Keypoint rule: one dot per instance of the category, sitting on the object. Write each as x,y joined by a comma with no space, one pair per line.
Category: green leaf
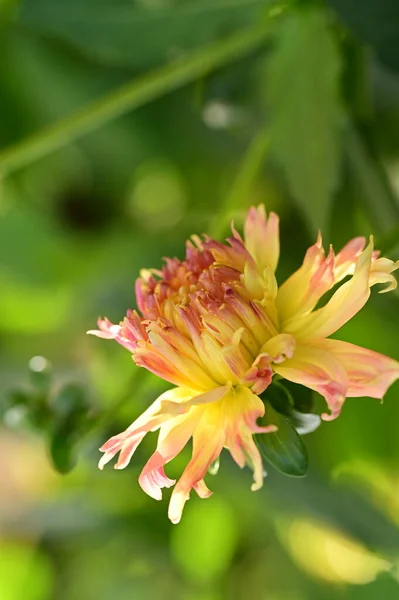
70,402
63,448
305,111
286,401
370,182
375,22
140,36
133,94
284,448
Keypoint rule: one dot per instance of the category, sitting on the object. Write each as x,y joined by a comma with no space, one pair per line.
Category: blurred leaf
124,33
344,508
70,422
240,189
132,95
304,103
71,401
203,544
284,448
375,22
62,448
40,374
371,181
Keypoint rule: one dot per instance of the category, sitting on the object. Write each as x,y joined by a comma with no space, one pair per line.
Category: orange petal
344,304
299,294
319,370
262,237
369,373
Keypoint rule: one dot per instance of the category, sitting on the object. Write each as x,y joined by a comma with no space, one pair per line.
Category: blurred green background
125,126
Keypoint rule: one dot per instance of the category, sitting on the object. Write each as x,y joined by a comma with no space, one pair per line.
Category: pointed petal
208,442
262,237
381,272
300,293
155,415
369,373
345,260
173,436
344,304
319,370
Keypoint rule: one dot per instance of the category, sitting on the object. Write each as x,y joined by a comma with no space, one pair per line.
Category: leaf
285,402
284,448
370,182
133,94
303,95
71,402
63,448
71,420
140,36
375,22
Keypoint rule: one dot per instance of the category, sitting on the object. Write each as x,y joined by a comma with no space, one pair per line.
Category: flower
218,327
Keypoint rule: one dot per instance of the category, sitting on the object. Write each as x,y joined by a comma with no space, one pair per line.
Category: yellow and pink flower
218,327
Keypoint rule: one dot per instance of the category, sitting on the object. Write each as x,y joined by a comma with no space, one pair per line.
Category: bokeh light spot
158,199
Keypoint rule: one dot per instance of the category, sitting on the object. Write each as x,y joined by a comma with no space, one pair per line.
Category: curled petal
259,375
229,423
106,330
381,272
202,489
279,348
158,413
345,260
235,255
207,445
319,370
173,436
344,304
369,373
119,333
300,293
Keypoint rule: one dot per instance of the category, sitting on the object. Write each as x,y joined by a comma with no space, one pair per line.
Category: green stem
131,96
239,191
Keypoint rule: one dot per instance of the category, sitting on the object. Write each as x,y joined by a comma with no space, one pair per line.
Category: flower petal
173,436
381,272
345,261
369,373
158,413
344,304
319,370
300,293
262,237
208,442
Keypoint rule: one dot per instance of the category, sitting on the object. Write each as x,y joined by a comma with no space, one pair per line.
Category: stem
246,174
131,96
